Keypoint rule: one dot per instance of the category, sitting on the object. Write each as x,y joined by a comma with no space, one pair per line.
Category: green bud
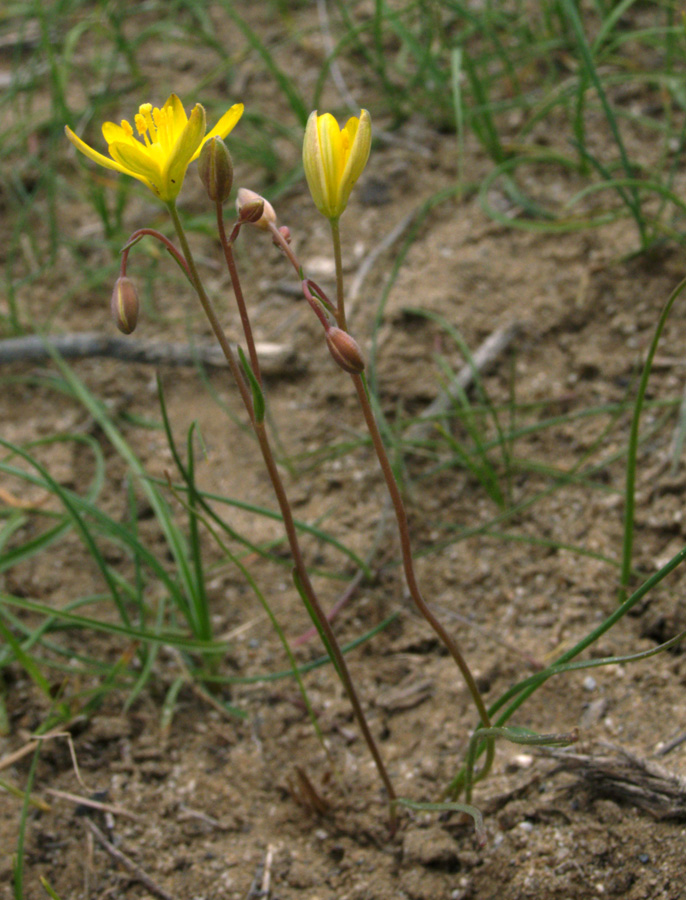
216,169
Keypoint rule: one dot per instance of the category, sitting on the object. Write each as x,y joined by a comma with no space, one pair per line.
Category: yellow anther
146,113
126,126
141,126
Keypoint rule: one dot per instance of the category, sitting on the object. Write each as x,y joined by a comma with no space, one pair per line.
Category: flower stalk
302,576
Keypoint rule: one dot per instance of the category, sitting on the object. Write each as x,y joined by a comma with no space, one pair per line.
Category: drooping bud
124,305
345,350
255,209
216,169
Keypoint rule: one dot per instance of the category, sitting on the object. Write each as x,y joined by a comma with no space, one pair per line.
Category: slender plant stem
238,293
406,549
285,247
401,515
630,489
211,315
340,291
287,516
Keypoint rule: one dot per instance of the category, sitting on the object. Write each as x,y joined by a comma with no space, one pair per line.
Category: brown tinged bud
124,305
216,169
345,350
255,209
285,233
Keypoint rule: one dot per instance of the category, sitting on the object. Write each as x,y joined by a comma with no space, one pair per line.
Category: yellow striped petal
187,143
138,163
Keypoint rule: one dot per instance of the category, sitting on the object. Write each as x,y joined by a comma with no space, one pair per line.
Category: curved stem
285,247
141,232
406,549
288,521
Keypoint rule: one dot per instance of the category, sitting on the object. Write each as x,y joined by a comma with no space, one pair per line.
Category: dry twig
625,778
133,868
275,359
482,359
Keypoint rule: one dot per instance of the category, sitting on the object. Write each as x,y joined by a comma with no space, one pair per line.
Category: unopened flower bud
124,305
255,209
285,233
216,169
345,350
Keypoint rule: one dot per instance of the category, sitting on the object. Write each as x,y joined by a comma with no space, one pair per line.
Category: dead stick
275,359
93,804
128,864
482,359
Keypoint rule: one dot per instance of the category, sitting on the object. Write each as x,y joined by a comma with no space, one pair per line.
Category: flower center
155,126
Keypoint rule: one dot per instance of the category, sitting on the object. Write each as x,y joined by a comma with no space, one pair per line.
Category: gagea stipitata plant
157,150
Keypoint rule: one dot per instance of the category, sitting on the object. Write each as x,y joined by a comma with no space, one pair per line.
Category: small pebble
644,858
523,761
590,683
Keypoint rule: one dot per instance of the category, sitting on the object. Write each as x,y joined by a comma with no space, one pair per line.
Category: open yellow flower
169,141
334,159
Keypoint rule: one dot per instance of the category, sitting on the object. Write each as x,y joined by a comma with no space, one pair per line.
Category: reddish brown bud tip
255,209
345,350
285,233
216,169
124,305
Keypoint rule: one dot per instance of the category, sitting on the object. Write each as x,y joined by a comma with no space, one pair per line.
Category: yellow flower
170,141
334,159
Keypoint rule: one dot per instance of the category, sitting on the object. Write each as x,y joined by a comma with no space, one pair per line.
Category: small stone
593,712
590,684
430,847
110,728
523,761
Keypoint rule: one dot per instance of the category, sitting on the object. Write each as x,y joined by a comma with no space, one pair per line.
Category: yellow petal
312,163
331,149
93,154
178,112
187,143
225,125
359,131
